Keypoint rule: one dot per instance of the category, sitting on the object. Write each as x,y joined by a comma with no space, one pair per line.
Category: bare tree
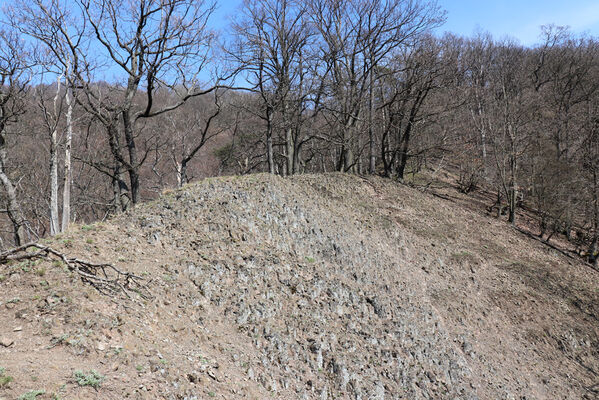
194,125
417,72
590,172
564,76
512,112
270,50
478,58
15,75
68,168
356,38
50,104
148,46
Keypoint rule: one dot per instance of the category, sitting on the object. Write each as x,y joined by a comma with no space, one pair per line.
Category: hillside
311,287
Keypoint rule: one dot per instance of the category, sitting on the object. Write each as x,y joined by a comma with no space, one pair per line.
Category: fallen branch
105,278
442,196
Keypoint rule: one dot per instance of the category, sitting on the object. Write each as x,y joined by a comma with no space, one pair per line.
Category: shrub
93,379
31,395
4,379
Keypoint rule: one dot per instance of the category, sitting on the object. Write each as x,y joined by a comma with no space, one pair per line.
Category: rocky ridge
312,287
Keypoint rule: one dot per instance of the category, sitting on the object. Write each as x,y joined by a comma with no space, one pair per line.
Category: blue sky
520,19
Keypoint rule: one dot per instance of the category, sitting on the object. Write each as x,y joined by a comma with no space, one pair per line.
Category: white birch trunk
68,173
54,218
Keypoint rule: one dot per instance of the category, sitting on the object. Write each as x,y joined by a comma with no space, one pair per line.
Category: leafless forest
105,103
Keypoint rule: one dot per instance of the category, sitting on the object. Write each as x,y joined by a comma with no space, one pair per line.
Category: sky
519,19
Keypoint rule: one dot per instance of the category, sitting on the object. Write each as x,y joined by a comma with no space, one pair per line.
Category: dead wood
105,278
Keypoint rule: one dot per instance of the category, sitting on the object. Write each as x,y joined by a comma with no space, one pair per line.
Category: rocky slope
311,287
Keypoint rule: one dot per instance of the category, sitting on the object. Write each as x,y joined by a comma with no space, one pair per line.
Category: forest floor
310,287
443,183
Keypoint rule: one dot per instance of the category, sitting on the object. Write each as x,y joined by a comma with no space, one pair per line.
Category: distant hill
310,287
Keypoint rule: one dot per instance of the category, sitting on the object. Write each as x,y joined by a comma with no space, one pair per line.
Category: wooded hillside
105,103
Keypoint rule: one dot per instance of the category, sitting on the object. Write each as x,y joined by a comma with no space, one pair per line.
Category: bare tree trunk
593,257
178,168
499,203
405,145
348,159
182,173
593,248
289,145
386,144
68,172
296,153
403,154
132,151
481,128
513,192
269,150
290,149
14,211
371,144
347,163
359,169
54,217
116,190
512,205
120,189
54,224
